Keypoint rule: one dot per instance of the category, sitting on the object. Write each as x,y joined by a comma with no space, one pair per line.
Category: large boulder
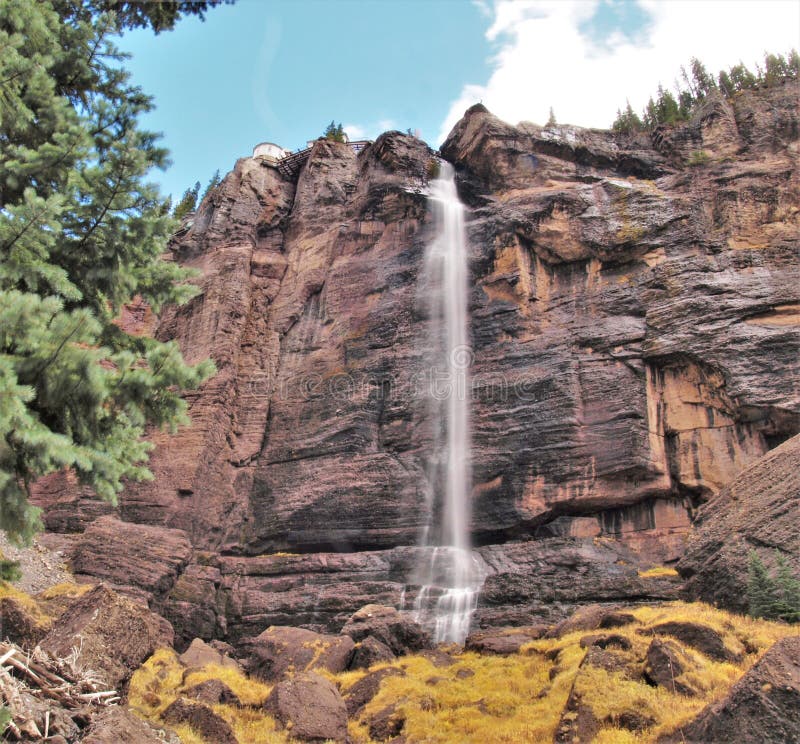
310,706
370,651
141,560
763,707
395,629
759,510
112,634
664,665
200,653
281,649
704,639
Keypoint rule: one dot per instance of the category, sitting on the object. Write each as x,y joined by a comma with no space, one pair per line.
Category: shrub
698,157
773,598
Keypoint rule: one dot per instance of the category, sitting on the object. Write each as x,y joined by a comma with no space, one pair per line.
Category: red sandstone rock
634,322
113,634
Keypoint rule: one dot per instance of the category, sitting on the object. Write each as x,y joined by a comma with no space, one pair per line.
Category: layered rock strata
634,324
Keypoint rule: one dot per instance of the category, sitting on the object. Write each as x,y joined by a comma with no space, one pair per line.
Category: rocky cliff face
634,325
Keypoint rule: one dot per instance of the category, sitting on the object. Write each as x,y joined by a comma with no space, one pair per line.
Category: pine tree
188,202
551,120
81,234
334,132
212,184
788,589
762,594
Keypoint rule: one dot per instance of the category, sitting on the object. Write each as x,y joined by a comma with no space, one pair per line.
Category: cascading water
451,576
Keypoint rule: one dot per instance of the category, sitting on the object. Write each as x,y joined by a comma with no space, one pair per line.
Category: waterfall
451,575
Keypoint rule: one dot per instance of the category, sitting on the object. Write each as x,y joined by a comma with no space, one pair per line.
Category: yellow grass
656,571
64,589
506,700
35,610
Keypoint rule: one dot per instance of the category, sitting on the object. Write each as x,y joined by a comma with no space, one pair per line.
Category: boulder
367,688
310,706
212,692
202,719
590,617
664,664
370,651
502,642
117,725
201,653
279,650
112,633
704,639
395,629
763,707
386,724
141,560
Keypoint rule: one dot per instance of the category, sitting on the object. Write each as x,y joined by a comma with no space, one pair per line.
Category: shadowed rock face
634,322
758,511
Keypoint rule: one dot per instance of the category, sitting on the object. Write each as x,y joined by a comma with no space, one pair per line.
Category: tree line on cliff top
696,84
81,234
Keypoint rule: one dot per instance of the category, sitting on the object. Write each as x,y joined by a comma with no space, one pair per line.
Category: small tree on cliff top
334,132
81,234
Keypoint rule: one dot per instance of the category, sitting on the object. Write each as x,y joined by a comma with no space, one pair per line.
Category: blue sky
281,70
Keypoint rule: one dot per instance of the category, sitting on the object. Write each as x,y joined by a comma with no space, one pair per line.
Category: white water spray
452,576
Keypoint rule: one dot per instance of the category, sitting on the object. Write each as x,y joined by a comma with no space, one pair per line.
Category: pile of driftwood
32,683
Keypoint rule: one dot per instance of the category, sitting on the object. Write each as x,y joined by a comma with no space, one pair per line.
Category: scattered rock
664,663
386,724
613,640
212,692
391,627
762,707
370,651
201,653
632,721
117,725
367,688
616,620
706,640
311,706
590,617
202,719
281,649
113,634
501,642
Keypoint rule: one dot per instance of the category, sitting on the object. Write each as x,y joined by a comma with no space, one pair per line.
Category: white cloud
355,131
544,60
370,131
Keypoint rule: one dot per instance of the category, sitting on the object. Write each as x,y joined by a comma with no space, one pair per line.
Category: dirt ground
43,564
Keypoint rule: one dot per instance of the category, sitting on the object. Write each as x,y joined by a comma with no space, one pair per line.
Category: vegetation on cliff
697,84
81,234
